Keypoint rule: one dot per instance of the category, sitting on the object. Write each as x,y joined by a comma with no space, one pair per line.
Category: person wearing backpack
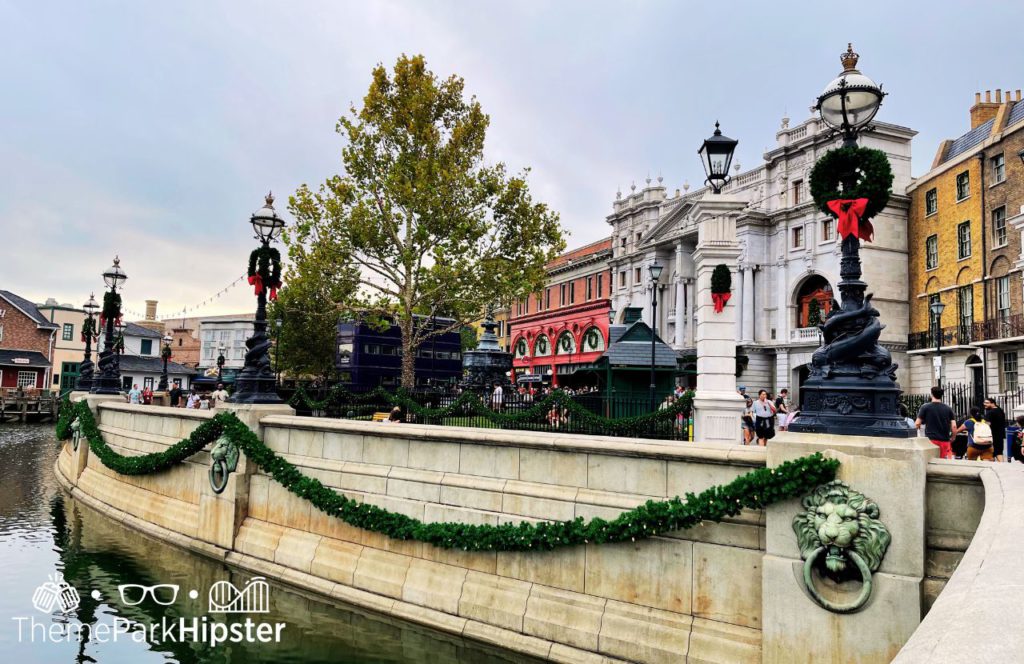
979,437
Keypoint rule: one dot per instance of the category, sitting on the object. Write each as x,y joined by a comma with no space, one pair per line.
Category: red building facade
26,344
565,327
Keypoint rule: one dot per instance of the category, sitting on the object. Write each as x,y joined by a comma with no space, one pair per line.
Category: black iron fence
585,413
961,397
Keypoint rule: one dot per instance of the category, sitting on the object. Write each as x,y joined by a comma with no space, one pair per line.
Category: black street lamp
277,349
220,362
655,271
109,381
850,101
256,382
716,157
165,354
937,308
85,370
851,389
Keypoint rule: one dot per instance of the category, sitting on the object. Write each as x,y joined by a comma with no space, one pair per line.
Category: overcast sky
153,130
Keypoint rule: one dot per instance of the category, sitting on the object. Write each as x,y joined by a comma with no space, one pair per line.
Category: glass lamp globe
850,100
266,221
114,277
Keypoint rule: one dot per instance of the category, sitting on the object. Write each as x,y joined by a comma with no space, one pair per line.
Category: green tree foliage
308,310
813,314
470,340
428,226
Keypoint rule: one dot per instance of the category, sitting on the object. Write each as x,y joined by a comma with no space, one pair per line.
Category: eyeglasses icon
133,594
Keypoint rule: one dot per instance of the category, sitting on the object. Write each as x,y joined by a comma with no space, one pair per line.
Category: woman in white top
764,418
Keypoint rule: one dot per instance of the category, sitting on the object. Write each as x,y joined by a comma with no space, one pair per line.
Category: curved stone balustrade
977,615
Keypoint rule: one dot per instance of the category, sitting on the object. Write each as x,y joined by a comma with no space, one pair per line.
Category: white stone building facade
789,255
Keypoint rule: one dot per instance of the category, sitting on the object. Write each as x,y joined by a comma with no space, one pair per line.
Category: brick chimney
983,111
151,309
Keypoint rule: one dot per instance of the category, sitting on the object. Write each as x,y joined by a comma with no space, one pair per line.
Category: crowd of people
981,435
178,398
762,415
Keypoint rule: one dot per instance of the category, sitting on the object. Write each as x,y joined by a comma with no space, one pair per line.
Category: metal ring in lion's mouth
218,486
865,591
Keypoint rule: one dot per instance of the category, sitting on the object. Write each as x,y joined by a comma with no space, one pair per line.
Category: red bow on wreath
720,299
849,212
257,281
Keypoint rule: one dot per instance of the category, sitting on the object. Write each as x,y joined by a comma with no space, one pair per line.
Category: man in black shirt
996,419
175,394
939,423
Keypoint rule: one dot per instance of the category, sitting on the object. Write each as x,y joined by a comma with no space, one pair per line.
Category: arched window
541,347
813,301
520,349
593,340
566,344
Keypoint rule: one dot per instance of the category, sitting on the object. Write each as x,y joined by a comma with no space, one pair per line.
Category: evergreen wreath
265,270
593,338
542,346
565,342
754,490
874,178
721,286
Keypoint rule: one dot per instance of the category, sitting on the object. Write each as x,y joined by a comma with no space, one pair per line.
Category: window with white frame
931,202
965,307
68,333
963,240
828,230
1008,370
963,185
999,227
998,168
1003,297
931,252
27,379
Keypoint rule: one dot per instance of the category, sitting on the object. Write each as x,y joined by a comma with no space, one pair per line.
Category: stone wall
693,596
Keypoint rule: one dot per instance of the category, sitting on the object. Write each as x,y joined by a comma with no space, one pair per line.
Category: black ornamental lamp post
278,323
220,362
937,308
165,355
109,380
655,270
256,384
85,370
852,387
716,157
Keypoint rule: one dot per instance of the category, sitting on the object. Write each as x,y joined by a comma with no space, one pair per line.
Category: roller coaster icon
225,597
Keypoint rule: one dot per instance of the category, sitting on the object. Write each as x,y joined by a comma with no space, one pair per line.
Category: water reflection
43,530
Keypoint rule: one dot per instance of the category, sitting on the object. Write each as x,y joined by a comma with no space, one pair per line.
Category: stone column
748,304
717,405
680,340
690,331
221,515
740,295
795,628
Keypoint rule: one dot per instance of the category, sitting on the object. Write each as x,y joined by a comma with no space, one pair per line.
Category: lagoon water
44,532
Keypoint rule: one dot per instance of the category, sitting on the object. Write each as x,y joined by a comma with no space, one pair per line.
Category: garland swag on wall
265,270
753,490
721,286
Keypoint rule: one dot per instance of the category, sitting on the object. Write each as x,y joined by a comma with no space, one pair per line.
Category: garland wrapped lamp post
256,384
85,370
220,362
852,385
655,270
165,355
109,380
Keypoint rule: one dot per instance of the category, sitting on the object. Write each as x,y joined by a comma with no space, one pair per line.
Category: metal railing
1001,327
961,398
955,335
614,413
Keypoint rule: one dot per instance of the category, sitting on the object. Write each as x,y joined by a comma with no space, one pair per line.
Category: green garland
338,400
65,415
111,306
873,172
721,279
265,262
754,490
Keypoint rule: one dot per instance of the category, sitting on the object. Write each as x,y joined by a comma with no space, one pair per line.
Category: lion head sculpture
840,521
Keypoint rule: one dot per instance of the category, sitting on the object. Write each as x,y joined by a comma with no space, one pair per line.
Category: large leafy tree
314,283
429,226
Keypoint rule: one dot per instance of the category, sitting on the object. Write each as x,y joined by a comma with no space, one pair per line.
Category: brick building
965,253
26,343
564,328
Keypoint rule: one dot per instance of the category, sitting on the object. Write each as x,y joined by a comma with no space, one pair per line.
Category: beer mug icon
56,593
